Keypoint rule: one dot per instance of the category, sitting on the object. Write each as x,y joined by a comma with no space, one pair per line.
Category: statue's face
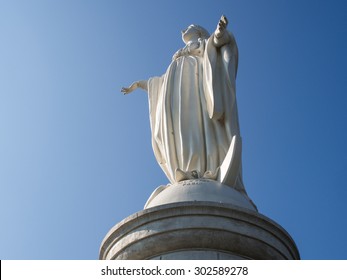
190,33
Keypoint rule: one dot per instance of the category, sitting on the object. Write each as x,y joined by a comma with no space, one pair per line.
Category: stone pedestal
220,224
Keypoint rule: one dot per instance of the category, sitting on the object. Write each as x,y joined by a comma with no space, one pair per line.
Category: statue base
197,230
199,190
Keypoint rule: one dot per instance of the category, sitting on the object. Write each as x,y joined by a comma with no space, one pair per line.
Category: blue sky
76,156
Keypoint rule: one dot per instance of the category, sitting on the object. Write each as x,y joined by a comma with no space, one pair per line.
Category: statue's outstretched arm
138,84
221,35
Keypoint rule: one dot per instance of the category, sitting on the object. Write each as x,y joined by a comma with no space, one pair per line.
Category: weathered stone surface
198,230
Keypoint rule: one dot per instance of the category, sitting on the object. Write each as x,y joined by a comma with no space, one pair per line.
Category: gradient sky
76,156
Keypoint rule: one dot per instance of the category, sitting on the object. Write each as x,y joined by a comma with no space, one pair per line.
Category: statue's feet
181,175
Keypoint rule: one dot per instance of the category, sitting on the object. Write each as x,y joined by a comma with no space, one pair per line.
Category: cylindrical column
198,230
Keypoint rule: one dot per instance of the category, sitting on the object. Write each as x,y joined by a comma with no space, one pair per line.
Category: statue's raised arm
221,35
138,84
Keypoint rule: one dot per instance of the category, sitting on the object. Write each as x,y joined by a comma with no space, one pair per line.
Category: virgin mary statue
193,111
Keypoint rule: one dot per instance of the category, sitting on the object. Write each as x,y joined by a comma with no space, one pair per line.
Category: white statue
193,111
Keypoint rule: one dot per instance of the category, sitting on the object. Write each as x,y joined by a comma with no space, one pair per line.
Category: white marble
193,110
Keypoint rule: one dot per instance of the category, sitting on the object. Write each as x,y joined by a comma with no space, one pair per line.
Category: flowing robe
193,115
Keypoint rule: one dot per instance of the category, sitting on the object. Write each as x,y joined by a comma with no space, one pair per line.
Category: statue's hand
221,35
131,88
221,27
138,84
125,90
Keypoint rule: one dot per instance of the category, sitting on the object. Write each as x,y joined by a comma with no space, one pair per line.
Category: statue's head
194,32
